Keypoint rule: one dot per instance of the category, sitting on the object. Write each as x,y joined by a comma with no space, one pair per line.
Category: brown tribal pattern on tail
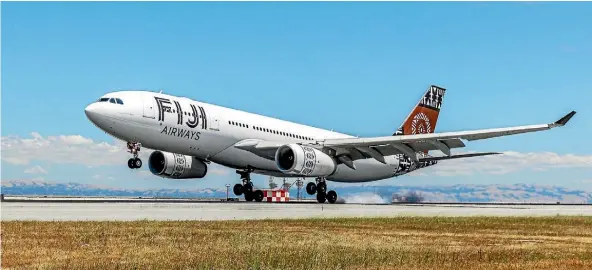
423,118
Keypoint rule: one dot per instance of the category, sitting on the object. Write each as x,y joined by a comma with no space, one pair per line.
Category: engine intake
304,160
176,166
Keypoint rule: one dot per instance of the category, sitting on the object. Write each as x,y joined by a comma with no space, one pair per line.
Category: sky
354,67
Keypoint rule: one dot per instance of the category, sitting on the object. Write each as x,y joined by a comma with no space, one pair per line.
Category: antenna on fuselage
160,92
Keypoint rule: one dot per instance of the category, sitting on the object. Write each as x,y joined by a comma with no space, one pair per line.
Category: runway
61,211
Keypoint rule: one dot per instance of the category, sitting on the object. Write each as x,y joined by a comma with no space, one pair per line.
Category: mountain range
362,194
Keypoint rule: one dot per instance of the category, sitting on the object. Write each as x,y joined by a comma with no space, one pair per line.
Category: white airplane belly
238,158
366,170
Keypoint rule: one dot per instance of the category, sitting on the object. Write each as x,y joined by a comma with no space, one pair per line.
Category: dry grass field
364,243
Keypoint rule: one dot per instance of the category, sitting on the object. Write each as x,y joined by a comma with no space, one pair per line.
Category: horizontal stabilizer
459,156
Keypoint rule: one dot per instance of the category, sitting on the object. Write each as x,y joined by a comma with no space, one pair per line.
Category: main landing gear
320,188
247,187
135,162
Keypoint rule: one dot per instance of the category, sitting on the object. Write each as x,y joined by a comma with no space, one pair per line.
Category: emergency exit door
149,110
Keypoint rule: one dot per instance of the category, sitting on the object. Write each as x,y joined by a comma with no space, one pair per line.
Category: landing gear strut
135,162
247,187
320,188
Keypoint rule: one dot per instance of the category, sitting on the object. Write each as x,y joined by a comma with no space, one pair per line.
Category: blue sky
357,68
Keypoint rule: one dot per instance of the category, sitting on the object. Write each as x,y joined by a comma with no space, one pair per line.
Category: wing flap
459,156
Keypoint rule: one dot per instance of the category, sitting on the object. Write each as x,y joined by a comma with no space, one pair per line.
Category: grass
352,243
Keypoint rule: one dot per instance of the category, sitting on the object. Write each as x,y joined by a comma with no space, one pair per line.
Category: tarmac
126,211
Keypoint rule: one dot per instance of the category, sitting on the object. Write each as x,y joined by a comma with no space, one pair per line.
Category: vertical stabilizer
423,117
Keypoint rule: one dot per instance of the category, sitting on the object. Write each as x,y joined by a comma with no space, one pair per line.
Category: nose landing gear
135,162
320,188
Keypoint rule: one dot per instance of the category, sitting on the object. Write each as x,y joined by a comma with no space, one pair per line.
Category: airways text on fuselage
196,118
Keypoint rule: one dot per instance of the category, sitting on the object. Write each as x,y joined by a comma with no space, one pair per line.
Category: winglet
565,119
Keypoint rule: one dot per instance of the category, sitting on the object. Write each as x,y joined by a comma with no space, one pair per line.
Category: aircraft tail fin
423,117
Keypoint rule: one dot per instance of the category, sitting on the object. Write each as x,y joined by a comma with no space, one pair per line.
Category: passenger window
119,101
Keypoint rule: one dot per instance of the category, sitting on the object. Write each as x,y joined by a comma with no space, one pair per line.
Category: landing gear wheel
321,197
137,163
258,195
248,188
332,196
249,196
322,187
311,188
238,189
134,148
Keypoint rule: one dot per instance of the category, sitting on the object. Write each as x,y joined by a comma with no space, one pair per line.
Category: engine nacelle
304,160
176,166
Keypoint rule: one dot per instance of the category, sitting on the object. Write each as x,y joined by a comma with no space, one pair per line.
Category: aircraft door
215,125
149,108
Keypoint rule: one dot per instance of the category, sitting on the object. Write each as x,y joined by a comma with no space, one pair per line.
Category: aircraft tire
258,194
331,196
137,163
130,163
321,197
248,188
311,188
322,187
249,196
238,189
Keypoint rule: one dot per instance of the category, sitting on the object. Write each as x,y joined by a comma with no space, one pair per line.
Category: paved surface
239,211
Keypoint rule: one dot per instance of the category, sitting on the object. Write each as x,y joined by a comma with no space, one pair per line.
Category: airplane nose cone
91,112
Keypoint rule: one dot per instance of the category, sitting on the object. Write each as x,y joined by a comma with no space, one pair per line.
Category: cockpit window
112,100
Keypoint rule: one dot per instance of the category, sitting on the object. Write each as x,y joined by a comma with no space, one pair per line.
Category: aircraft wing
378,147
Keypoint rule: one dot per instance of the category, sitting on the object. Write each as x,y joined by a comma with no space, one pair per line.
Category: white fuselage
209,132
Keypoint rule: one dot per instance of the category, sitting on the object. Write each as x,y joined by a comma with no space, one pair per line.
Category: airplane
187,135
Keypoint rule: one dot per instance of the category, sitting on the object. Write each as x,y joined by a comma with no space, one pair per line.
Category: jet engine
176,166
304,160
